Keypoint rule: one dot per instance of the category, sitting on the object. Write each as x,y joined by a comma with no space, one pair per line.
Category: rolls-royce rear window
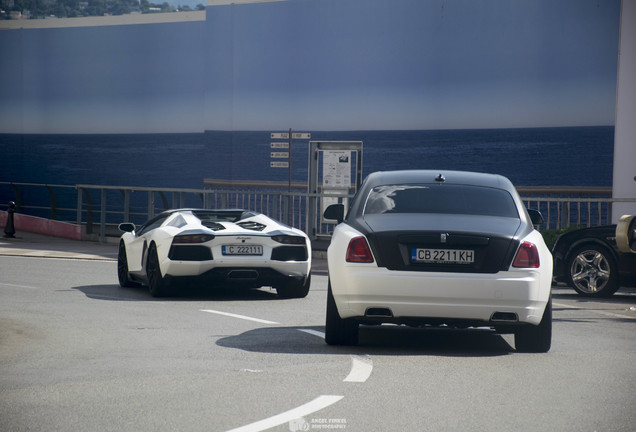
448,199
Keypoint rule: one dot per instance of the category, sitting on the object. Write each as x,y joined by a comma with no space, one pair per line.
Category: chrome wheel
592,272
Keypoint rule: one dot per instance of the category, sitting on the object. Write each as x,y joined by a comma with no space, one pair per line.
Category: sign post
282,145
285,155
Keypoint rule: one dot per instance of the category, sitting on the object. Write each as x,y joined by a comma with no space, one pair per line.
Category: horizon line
304,130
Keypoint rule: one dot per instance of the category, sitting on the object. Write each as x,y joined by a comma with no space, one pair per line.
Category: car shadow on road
141,293
374,340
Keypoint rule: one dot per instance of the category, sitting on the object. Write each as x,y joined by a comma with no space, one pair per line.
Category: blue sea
571,156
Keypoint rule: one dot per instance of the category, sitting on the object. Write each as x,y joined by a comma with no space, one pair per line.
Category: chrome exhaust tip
507,317
379,312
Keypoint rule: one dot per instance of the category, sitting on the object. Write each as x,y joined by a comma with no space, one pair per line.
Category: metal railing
100,208
566,206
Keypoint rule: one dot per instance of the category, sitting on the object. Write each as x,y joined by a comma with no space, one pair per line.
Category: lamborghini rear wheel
294,289
122,267
156,282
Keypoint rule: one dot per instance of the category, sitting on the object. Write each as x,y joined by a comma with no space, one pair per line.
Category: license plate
242,250
442,256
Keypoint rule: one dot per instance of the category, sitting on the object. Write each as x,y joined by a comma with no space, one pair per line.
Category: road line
361,368
600,312
310,407
17,286
313,332
258,320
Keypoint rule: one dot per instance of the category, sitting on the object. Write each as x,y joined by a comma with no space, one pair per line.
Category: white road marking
310,407
313,332
17,286
600,312
258,320
564,306
361,368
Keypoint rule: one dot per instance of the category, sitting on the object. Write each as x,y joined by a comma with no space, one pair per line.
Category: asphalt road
77,352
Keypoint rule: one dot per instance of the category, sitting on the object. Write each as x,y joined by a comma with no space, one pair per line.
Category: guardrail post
79,205
89,211
564,216
286,209
102,218
53,202
127,205
151,204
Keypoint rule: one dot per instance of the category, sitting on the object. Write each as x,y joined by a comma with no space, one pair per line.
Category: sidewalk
42,246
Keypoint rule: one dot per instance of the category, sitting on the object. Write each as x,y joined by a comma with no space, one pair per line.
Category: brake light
358,251
192,238
527,256
289,239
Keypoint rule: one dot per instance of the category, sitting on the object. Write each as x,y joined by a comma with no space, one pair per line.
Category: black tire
156,282
339,331
294,289
536,339
592,271
122,268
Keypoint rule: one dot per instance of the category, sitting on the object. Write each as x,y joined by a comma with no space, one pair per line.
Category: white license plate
443,256
242,250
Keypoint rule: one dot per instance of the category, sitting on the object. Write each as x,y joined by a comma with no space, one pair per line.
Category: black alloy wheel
122,267
156,282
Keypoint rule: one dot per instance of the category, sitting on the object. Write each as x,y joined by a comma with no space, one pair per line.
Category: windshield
448,199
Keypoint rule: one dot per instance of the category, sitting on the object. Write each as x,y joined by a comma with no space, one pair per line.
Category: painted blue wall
320,65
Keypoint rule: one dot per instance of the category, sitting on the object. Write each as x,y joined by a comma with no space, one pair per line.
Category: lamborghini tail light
527,256
289,239
358,251
192,238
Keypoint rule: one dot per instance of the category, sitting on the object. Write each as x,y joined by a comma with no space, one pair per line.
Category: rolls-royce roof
438,176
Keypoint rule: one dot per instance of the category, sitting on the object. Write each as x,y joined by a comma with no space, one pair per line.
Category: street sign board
279,145
279,155
285,135
279,164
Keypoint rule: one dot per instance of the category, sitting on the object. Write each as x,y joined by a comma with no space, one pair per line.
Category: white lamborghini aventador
238,247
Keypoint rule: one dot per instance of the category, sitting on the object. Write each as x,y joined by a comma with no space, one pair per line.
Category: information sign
336,169
285,135
279,164
301,135
279,155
